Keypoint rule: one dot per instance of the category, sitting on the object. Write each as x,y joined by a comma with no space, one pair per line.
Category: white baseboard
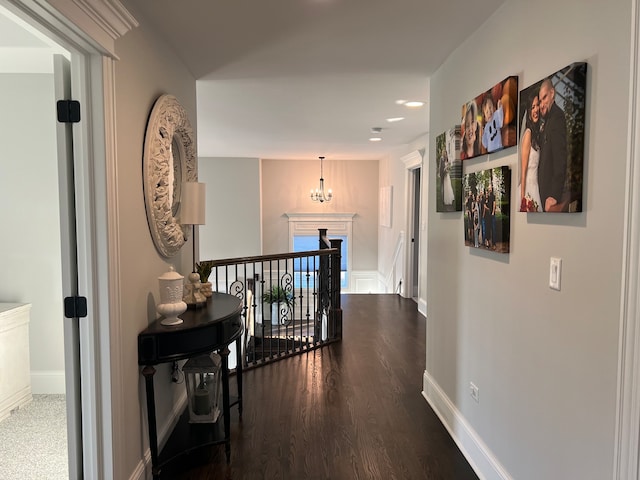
422,307
143,468
49,382
363,281
481,459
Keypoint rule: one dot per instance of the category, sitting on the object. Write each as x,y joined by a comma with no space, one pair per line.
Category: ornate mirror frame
169,159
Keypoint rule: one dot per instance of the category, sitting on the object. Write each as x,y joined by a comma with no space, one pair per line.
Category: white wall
544,361
285,189
146,69
233,227
30,240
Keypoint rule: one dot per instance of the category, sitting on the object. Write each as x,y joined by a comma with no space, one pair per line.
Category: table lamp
192,212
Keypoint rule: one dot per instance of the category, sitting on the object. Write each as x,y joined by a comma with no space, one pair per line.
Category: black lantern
203,387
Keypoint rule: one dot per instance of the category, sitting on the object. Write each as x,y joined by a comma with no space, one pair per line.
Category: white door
64,137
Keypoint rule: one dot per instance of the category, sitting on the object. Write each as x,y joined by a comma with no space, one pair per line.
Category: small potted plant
204,269
278,298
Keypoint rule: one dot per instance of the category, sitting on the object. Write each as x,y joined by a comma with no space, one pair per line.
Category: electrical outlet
474,391
175,373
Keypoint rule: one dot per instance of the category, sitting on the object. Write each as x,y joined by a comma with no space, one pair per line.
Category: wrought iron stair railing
291,301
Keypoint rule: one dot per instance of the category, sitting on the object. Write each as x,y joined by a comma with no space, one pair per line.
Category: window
304,243
303,236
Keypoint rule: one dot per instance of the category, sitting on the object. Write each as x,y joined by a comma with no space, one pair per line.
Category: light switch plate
555,271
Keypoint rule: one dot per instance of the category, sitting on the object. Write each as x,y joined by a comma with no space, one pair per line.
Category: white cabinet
15,380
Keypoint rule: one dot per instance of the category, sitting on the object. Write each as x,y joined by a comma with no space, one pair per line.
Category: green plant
204,270
277,294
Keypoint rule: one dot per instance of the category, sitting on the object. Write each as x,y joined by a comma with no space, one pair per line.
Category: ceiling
296,79
23,49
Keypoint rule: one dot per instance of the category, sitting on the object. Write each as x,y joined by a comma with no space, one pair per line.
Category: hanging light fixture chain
319,195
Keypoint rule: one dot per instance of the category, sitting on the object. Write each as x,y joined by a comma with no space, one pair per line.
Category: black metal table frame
224,329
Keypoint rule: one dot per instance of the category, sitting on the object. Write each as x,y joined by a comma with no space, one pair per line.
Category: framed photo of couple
551,153
489,120
487,209
448,171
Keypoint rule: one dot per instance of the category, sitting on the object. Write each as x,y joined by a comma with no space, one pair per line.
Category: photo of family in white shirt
489,120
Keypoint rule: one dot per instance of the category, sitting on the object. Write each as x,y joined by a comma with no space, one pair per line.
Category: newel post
324,297
335,310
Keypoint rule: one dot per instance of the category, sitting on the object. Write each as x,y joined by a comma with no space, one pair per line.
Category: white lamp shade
192,203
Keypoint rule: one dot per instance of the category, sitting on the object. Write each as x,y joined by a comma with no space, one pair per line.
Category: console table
204,330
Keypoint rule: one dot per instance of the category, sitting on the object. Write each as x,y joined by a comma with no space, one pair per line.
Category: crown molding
412,160
104,21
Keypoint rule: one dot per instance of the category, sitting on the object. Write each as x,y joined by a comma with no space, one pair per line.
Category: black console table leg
148,373
224,355
240,361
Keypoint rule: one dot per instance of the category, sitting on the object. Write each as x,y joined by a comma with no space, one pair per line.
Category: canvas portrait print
551,152
448,171
489,120
486,209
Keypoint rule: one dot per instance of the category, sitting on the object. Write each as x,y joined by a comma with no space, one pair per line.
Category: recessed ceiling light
395,119
375,139
413,104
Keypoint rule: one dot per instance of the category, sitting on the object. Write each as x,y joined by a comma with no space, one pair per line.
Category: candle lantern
204,385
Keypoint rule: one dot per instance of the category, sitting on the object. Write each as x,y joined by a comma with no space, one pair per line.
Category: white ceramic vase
171,304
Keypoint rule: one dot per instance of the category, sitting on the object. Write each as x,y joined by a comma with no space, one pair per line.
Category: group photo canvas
487,209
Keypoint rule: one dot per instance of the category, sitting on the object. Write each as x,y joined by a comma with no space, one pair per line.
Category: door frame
90,37
411,161
627,435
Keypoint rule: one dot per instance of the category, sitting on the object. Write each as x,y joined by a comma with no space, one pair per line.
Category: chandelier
318,194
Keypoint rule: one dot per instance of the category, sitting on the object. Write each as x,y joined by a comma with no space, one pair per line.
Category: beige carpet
33,441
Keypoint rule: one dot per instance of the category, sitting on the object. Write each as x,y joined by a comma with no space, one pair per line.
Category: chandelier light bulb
319,195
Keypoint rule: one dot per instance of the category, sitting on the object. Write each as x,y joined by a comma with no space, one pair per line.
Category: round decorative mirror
169,159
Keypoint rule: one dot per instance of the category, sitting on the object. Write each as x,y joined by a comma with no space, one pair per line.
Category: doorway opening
31,187
415,232
413,183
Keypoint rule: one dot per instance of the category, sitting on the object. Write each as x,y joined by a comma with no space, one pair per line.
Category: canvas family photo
448,171
551,153
486,209
489,120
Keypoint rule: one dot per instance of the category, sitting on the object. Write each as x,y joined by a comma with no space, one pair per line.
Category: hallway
352,410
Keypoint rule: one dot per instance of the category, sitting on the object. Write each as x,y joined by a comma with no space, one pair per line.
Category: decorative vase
274,314
171,304
192,294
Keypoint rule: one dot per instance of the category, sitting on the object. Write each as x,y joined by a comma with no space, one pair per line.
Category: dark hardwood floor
352,410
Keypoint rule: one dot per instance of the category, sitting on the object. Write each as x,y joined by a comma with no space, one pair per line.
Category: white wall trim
422,307
412,161
111,332
627,442
48,382
335,223
103,20
364,281
320,217
76,26
144,465
477,453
